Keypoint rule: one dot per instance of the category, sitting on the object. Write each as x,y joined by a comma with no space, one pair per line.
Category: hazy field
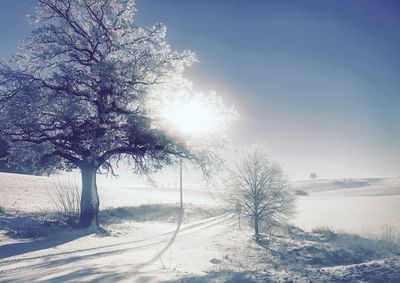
366,206
359,205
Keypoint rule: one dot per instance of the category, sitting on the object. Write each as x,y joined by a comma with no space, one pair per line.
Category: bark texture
89,216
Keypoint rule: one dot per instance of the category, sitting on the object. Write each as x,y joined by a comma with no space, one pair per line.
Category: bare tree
75,93
259,187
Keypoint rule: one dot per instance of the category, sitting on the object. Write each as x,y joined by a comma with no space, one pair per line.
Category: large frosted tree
74,94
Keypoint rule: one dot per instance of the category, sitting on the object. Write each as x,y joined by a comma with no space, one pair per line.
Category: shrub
145,212
325,232
66,200
301,193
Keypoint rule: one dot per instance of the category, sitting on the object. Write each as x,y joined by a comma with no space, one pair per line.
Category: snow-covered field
28,193
364,206
202,247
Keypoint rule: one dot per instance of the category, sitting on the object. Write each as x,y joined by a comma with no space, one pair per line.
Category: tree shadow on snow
53,260
38,235
14,249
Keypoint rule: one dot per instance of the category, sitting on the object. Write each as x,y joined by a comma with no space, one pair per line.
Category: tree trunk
90,199
256,230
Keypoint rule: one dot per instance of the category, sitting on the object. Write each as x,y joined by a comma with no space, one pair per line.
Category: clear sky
317,81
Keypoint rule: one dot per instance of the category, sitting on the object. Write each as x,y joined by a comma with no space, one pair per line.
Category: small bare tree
261,189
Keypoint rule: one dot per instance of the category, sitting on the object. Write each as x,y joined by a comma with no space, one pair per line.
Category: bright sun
192,117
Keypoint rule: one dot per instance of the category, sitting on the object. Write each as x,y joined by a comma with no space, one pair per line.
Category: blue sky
317,81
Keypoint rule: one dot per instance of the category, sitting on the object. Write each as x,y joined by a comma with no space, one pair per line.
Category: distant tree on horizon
313,176
75,94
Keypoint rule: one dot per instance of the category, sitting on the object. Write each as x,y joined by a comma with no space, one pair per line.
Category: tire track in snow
52,260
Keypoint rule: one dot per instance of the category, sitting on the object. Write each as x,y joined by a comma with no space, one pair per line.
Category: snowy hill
364,206
348,187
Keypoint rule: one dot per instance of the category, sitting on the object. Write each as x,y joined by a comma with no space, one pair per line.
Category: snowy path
151,252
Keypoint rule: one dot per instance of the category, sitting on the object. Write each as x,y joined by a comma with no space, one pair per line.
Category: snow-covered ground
150,252
135,251
364,206
200,247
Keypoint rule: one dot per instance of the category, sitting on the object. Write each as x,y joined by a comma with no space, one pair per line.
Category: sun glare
192,117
